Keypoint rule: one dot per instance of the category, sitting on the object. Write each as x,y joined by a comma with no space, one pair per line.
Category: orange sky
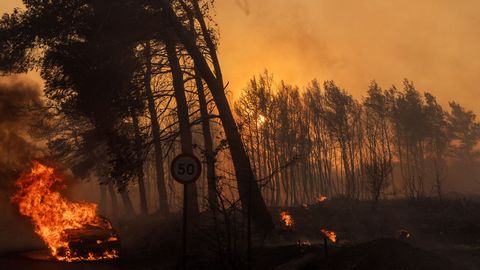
435,43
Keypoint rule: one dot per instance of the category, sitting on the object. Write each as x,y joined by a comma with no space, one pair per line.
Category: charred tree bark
248,187
159,170
183,117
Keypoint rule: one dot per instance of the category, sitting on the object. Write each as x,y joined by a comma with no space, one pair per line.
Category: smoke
432,42
19,99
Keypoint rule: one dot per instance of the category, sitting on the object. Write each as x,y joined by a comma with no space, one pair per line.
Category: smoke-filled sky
435,43
17,96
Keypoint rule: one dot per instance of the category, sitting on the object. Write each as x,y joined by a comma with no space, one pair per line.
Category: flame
286,218
52,214
330,235
321,199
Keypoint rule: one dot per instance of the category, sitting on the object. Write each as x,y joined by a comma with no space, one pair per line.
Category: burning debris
286,218
321,199
72,231
328,235
332,236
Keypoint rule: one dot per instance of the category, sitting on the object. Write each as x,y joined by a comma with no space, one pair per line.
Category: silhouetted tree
248,188
377,135
465,131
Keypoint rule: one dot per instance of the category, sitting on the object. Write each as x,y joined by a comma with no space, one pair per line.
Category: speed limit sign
186,168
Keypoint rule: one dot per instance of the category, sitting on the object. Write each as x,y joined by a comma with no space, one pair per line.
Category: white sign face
186,168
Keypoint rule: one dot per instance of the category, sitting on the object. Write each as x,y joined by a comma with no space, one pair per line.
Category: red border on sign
195,178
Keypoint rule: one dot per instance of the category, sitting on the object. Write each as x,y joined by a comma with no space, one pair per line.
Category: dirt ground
441,235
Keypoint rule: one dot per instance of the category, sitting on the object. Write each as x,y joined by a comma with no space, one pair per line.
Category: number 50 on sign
186,168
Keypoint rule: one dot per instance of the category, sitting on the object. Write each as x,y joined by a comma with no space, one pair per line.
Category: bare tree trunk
248,188
139,168
207,134
209,42
208,144
183,118
159,171
127,203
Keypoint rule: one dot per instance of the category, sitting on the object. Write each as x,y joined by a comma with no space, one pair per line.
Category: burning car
73,231
91,242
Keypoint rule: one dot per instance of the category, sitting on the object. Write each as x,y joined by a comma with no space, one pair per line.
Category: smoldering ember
239,134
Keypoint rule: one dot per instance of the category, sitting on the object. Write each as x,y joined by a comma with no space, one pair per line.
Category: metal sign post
185,169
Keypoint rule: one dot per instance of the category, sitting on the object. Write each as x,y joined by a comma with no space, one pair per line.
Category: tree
155,127
248,188
341,115
80,67
438,140
183,116
377,133
465,131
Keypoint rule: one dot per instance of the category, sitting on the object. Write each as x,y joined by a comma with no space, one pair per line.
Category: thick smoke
19,102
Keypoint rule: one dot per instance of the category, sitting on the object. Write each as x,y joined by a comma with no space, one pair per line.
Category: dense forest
121,103
126,83
130,84
322,141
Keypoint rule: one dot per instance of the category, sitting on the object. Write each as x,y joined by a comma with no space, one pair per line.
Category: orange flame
52,214
321,199
286,218
330,235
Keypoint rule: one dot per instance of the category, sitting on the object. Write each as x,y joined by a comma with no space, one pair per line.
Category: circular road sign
186,168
